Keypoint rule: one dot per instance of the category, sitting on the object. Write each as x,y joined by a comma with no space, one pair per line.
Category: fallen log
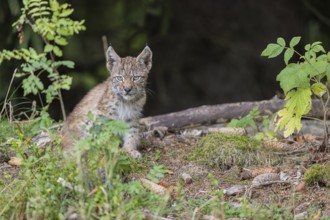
210,114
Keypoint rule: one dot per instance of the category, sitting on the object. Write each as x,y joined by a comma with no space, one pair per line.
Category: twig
105,44
11,113
62,104
5,101
149,216
202,206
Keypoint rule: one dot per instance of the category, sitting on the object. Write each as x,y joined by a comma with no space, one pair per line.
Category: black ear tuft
145,57
112,58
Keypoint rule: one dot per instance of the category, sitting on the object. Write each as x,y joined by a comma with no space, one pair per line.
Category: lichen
225,151
318,174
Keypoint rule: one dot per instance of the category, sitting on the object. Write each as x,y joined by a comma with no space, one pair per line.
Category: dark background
205,52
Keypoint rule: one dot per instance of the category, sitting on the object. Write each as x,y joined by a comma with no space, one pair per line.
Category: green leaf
307,47
54,5
66,12
328,73
288,55
50,36
291,77
64,31
316,43
90,116
247,120
57,51
318,48
32,84
322,57
314,67
294,41
299,103
66,82
281,41
319,89
48,48
60,41
272,50
66,63
234,123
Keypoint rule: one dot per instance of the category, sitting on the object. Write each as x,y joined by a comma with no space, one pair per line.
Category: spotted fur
122,96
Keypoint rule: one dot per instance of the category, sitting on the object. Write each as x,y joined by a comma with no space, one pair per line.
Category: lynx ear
112,58
145,57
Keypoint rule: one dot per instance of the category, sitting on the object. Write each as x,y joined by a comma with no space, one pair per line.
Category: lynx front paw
134,153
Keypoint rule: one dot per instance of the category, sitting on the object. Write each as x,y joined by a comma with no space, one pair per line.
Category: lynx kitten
122,96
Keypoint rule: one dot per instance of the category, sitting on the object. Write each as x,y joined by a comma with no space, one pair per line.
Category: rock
186,178
15,161
300,187
233,190
302,215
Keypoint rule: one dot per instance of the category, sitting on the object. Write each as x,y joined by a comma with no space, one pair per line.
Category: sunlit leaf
281,41
57,51
48,48
319,89
294,41
288,55
272,50
291,77
299,103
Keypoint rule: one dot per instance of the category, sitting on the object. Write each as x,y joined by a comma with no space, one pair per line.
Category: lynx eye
119,78
136,78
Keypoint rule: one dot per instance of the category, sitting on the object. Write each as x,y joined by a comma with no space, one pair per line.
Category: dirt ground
171,151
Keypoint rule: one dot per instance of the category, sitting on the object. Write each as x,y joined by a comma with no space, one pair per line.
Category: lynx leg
131,142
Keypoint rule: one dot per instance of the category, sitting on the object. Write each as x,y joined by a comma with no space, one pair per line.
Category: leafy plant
51,21
247,120
88,183
157,172
251,120
299,81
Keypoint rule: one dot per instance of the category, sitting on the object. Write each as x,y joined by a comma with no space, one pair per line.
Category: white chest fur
127,111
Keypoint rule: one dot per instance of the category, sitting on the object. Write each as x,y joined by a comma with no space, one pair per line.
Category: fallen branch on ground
209,114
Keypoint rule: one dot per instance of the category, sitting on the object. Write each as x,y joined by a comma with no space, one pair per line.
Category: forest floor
171,150
174,148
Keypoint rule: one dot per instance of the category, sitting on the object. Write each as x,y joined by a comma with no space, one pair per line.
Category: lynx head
129,74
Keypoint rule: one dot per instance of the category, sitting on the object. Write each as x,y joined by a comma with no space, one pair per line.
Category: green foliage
156,173
251,120
318,174
300,81
88,182
49,20
248,120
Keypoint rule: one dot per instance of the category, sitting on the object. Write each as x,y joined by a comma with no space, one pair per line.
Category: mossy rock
225,151
318,174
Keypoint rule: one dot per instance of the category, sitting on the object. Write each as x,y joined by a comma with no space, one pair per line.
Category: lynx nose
127,89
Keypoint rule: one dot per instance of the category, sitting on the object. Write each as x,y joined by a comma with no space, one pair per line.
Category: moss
318,174
225,151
